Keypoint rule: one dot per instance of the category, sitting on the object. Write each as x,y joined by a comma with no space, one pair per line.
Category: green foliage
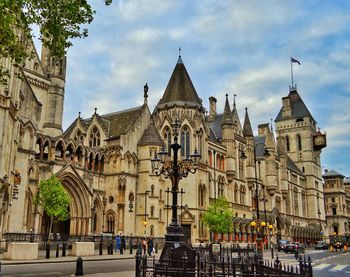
59,21
219,216
54,199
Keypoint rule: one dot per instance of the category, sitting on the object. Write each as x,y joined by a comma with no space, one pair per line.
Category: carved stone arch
111,219
80,206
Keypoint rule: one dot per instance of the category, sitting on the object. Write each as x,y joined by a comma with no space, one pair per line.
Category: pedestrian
144,246
150,246
117,243
123,243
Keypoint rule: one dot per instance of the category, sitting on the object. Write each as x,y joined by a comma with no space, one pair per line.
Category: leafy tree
219,216
54,199
59,21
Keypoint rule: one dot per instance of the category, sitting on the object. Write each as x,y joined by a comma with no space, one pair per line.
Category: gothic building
104,161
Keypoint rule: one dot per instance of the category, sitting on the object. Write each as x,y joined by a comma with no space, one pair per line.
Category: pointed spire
234,102
227,117
145,93
180,89
247,128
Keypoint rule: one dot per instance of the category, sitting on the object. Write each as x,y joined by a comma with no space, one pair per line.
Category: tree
59,21
219,216
54,200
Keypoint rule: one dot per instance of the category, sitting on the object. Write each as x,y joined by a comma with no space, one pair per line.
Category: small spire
145,93
227,117
79,114
179,61
247,127
271,125
95,110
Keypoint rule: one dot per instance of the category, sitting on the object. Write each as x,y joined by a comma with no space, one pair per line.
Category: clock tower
303,146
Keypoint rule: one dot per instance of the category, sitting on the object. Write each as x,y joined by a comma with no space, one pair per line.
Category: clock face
319,140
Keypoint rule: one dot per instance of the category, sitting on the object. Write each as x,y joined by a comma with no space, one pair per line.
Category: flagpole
291,72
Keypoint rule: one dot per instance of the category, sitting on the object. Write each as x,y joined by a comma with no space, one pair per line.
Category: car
321,245
282,244
294,246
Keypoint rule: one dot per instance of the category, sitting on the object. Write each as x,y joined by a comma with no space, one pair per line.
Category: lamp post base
173,239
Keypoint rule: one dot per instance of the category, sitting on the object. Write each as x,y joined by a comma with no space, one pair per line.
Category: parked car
293,246
282,244
321,245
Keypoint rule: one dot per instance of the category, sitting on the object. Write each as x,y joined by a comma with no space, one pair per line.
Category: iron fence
186,261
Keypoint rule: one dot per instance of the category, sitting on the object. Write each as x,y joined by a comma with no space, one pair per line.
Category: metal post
47,250
64,246
57,250
130,245
138,262
79,267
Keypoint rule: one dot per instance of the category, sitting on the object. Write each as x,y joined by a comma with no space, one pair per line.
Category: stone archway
80,206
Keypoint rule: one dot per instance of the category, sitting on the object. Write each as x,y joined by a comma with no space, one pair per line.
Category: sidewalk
41,258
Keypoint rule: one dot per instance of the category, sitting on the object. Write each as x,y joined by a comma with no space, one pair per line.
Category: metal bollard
64,245
156,248
130,245
57,250
47,250
111,248
101,248
121,250
79,268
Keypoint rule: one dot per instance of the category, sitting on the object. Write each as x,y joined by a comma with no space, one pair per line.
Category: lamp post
271,245
145,214
258,223
175,170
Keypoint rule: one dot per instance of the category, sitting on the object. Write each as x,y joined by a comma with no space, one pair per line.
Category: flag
294,61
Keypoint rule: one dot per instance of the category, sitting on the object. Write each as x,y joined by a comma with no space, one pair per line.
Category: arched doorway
58,228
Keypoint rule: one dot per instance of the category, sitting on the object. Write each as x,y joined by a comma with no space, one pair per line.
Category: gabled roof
333,173
292,166
299,109
121,122
180,89
260,149
215,127
151,137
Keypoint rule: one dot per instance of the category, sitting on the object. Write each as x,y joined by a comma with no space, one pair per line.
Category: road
325,264
66,268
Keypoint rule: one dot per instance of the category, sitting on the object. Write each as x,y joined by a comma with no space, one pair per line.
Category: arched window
242,195
185,141
110,223
121,194
160,214
59,150
210,158
167,139
152,211
287,144
152,230
152,189
160,194
95,137
236,194
299,142
78,136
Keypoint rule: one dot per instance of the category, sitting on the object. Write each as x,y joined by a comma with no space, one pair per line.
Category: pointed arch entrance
80,206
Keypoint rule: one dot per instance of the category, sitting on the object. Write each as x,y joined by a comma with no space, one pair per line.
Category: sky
228,46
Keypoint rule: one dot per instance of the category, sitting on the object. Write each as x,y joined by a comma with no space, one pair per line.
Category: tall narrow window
95,137
185,142
200,142
299,142
296,202
287,143
167,139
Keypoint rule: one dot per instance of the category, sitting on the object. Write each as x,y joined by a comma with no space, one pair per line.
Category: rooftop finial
95,110
180,52
234,101
271,125
145,92
79,114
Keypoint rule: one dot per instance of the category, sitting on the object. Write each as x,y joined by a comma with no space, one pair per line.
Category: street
68,268
324,263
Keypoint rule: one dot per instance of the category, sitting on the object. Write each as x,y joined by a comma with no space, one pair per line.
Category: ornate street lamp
258,224
271,234
175,170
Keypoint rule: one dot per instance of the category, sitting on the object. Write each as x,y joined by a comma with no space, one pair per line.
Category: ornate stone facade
104,161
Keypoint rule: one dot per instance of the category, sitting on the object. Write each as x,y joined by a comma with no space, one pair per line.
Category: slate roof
180,89
299,109
292,166
151,137
333,173
120,122
215,128
347,181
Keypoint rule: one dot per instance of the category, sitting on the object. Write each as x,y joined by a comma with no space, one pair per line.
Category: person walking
123,243
117,243
144,246
150,246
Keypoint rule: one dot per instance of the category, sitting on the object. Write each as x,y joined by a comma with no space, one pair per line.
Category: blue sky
235,47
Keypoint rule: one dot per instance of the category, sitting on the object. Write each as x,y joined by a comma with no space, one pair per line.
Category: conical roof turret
227,116
180,89
247,127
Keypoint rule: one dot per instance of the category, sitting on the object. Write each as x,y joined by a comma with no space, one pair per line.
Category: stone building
104,162
337,202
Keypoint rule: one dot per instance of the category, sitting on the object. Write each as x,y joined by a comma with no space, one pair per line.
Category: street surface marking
320,266
338,268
